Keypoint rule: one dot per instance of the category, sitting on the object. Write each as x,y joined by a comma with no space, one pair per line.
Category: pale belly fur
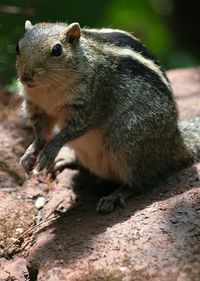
92,154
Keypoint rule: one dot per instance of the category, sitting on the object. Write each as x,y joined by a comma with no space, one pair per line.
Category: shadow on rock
146,230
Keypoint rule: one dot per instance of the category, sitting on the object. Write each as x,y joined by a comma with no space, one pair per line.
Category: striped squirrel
111,101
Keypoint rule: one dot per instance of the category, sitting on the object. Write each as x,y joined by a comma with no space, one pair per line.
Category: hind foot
118,198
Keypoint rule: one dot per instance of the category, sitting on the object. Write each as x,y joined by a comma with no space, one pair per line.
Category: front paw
28,161
46,158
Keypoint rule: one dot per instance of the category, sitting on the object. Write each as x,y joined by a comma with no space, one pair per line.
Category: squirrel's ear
28,25
73,32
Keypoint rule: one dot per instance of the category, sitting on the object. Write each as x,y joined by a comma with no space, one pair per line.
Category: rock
16,215
149,245
40,202
186,86
19,230
9,162
13,270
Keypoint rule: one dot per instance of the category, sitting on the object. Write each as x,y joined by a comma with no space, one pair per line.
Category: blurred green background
170,28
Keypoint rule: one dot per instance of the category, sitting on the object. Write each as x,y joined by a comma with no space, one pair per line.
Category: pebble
40,202
19,230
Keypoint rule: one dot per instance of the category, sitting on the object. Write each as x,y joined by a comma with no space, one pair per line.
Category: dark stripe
122,40
128,64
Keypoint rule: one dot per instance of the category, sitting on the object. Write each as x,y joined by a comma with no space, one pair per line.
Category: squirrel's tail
190,130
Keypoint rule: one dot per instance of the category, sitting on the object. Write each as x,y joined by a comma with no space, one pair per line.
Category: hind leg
118,198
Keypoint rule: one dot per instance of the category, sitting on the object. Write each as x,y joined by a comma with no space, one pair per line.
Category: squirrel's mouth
29,84
28,81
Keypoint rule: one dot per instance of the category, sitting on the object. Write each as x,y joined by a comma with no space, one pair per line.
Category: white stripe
123,52
110,30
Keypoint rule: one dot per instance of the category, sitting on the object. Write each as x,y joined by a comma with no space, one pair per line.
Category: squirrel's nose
27,77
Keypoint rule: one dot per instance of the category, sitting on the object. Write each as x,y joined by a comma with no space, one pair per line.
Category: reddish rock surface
186,86
15,269
156,237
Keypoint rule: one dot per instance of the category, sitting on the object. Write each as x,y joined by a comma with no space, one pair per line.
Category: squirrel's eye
56,50
17,50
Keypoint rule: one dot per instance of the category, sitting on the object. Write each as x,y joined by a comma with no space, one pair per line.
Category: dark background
170,28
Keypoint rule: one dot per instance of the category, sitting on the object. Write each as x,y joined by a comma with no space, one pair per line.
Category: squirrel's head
47,53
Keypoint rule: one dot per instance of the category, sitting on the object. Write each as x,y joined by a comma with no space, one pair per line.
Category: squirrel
112,102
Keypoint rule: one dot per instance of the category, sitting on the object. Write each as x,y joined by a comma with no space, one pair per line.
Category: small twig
33,227
48,218
54,211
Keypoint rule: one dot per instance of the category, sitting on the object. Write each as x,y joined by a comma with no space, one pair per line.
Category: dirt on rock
156,237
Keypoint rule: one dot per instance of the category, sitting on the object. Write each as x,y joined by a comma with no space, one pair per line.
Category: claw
44,164
108,203
35,172
28,161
